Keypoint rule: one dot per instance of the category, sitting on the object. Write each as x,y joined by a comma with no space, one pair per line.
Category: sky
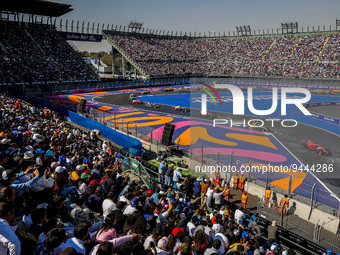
202,16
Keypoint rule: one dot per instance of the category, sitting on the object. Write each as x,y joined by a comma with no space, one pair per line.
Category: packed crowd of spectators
63,192
305,56
38,54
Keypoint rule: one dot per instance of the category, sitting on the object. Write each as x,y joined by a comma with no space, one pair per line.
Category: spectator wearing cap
10,243
65,187
93,183
86,164
75,175
131,208
50,152
216,224
163,216
38,160
82,184
174,241
27,160
62,160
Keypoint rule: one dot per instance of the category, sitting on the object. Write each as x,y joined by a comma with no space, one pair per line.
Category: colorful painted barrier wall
129,144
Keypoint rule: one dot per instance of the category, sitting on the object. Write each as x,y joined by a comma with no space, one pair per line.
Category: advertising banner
81,37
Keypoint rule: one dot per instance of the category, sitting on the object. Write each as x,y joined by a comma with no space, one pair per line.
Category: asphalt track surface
290,138
331,111
287,143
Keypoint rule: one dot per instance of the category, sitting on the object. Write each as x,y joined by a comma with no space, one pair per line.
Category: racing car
144,92
312,146
168,89
256,126
180,108
152,105
132,96
136,101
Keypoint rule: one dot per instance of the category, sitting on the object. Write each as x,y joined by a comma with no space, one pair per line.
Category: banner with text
81,37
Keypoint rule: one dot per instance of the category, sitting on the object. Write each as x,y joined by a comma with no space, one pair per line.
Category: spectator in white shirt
210,194
108,205
10,243
191,226
239,216
224,240
177,175
131,208
216,227
45,181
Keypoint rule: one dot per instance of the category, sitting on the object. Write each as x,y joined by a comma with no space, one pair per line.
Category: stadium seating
38,55
291,56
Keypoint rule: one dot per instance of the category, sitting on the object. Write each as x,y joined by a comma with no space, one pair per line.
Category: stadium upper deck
314,55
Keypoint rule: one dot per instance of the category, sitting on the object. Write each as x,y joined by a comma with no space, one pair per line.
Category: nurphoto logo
239,98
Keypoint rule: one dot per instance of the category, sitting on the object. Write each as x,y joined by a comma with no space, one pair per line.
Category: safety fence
148,176
289,234
226,165
312,233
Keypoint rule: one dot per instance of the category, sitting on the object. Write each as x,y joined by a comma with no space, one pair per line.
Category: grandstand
35,53
312,55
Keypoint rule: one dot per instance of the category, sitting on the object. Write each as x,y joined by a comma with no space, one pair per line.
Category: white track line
331,192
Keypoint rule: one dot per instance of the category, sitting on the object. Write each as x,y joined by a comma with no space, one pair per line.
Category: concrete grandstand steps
323,48
35,42
126,56
270,47
3,48
295,47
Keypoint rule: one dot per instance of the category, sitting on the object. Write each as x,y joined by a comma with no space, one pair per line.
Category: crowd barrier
130,144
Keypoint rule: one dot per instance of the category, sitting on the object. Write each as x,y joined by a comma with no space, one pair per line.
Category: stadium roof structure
36,7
